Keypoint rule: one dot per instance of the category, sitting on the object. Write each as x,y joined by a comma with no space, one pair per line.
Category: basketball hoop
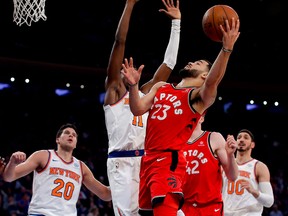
28,11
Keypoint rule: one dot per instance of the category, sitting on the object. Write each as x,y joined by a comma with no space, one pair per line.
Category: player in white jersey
58,176
126,132
67,176
252,190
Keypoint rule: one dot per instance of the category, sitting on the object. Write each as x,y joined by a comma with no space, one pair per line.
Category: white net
28,11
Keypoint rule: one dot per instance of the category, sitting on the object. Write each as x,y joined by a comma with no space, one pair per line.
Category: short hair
248,132
64,126
209,64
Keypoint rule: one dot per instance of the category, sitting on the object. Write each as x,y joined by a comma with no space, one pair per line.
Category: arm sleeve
171,53
266,197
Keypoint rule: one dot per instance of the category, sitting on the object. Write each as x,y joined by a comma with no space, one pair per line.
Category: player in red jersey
173,115
207,153
126,132
2,165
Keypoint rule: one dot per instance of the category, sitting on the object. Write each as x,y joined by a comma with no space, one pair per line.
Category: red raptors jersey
171,119
203,179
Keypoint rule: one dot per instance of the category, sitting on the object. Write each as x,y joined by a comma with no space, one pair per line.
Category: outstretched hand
231,34
171,11
131,74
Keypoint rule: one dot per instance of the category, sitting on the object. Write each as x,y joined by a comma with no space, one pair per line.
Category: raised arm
138,105
229,165
164,70
114,85
18,166
225,150
208,91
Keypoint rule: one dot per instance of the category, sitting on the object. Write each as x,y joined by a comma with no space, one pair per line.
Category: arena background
73,46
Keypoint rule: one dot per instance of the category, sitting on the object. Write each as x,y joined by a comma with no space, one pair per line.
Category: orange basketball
216,16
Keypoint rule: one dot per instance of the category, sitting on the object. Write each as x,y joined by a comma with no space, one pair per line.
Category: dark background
73,46
81,33
74,43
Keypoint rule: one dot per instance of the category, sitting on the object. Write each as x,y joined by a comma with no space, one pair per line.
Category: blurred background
53,72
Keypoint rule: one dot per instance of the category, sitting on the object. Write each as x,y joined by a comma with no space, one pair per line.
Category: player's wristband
226,50
131,85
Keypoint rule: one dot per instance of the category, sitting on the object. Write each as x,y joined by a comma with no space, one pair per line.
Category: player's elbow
7,179
231,173
234,175
233,178
268,202
137,111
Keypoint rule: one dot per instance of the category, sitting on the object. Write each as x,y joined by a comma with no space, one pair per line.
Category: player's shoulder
260,164
262,170
217,136
85,168
40,157
161,83
41,152
158,85
216,140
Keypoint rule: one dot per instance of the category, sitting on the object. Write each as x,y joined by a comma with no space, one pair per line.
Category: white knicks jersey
56,188
238,201
125,131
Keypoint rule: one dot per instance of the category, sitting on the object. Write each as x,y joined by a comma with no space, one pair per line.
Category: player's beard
184,73
244,148
241,150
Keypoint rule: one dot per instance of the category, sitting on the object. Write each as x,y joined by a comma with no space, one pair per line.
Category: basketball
214,17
